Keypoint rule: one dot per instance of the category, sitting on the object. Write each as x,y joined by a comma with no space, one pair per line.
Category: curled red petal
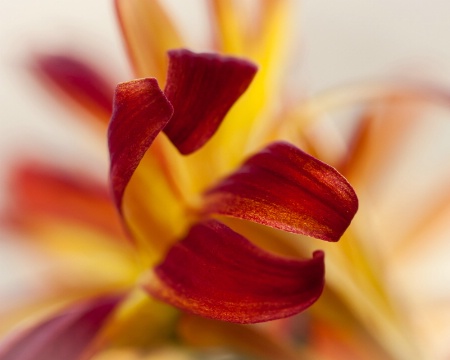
140,112
80,81
285,188
217,273
202,88
67,335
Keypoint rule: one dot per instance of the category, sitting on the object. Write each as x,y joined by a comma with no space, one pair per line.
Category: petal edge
202,87
287,189
216,273
140,112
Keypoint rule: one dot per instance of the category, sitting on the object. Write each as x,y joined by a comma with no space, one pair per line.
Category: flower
356,316
280,186
168,204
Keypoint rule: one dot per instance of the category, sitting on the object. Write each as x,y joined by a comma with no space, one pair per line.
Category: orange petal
40,192
248,339
217,273
148,33
393,117
335,342
287,189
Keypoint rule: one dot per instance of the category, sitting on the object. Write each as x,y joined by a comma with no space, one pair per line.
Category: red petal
202,88
287,189
140,112
42,193
216,273
80,82
66,336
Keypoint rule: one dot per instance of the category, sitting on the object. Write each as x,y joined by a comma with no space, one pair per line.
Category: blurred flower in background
379,293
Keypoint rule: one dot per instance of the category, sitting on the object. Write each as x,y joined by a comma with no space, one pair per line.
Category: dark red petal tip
202,88
140,112
285,188
67,335
217,273
80,81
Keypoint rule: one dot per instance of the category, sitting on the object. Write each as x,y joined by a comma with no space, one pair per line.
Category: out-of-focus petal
40,192
285,188
230,36
217,273
393,119
260,34
79,81
141,111
148,33
142,322
334,342
167,352
68,335
69,219
202,88
248,339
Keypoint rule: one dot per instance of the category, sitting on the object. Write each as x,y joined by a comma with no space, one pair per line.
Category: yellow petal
149,33
163,353
246,124
86,259
141,323
229,30
155,204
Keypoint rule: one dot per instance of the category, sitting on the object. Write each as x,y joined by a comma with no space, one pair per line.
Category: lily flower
280,186
179,217
211,209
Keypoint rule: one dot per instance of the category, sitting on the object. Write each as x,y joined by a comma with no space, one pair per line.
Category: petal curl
68,335
217,273
202,88
285,188
140,112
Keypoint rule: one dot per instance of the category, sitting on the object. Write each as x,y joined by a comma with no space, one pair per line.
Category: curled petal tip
202,88
216,273
285,188
140,112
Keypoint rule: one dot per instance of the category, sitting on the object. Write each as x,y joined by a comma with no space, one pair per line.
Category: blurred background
337,43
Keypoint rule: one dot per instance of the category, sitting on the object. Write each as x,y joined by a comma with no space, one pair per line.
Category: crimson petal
285,188
79,81
140,113
40,192
202,88
66,336
217,273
